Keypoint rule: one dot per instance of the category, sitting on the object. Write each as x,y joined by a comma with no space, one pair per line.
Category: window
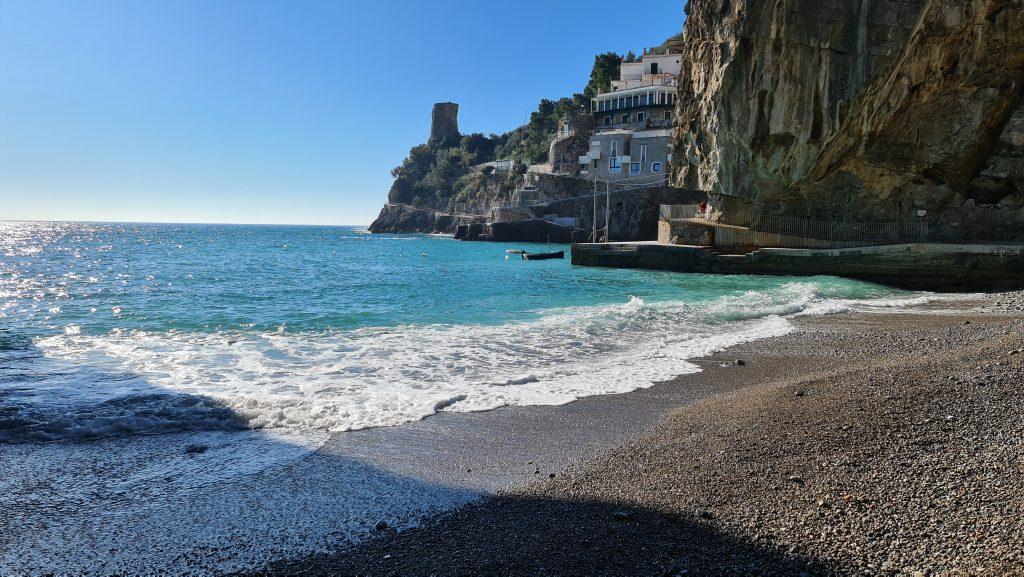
668,115
643,153
640,116
655,167
607,120
614,166
625,118
643,100
634,168
622,102
614,147
595,164
600,105
654,67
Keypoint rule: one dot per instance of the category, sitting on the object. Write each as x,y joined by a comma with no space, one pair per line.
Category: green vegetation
435,173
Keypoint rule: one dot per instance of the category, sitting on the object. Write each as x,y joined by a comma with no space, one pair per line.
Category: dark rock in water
403,218
381,525
704,514
621,515
195,448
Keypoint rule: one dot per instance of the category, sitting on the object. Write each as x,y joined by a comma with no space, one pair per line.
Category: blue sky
288,111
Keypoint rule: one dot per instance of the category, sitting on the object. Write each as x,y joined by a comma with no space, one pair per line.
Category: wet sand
886,443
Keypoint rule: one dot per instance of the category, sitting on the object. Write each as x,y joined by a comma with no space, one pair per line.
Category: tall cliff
858,109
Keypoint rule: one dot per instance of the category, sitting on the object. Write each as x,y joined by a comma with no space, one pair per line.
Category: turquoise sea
168,393
116,329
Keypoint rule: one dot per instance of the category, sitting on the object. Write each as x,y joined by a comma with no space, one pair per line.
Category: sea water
122,344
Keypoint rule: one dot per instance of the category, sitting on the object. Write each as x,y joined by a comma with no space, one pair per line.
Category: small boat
543,255
515,251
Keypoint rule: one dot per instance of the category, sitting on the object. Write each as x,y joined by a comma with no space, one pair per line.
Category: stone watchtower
444,121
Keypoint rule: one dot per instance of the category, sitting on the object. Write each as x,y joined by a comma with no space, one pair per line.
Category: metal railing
784,232
567,221
647,124
767,230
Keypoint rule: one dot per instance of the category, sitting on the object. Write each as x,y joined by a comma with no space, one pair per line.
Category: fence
567,221
784,232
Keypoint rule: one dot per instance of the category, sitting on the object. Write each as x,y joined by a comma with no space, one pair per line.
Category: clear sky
286,111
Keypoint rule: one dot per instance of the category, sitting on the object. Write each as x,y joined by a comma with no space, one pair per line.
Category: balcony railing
648,124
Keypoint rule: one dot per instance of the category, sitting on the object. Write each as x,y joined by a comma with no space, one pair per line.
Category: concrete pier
927,266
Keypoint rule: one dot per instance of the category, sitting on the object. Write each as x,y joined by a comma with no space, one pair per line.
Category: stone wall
858,110
948,267
634,214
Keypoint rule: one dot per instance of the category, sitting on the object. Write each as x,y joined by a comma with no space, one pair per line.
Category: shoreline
580,486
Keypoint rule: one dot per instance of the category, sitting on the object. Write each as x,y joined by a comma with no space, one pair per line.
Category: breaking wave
143,382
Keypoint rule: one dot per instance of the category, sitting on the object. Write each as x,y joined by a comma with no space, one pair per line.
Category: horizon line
29,220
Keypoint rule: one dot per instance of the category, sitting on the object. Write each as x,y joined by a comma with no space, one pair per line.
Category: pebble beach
863,444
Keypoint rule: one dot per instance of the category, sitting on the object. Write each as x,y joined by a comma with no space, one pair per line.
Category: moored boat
543,255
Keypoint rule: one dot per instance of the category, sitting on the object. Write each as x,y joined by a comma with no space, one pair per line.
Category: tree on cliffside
606,68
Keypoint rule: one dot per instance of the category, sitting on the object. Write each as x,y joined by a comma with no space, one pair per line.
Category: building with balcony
633,122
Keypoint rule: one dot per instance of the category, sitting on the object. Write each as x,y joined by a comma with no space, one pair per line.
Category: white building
634,122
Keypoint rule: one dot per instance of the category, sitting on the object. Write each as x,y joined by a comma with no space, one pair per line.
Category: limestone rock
858,109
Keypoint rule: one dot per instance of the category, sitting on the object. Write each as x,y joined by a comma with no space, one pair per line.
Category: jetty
729,236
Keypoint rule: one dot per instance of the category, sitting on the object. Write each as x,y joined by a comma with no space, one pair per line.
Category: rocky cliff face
858,109
402,218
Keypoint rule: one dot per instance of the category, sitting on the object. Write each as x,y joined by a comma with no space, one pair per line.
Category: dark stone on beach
796,479
195,449
703,514
800,392
740,362
551,475
381,525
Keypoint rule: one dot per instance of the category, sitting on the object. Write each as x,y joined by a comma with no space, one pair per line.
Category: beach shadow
350,497
510,536
43,398
158,481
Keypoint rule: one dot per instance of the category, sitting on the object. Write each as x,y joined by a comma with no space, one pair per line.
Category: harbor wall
926,266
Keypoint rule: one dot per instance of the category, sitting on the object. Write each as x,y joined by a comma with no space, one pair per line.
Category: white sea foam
198,497
354,379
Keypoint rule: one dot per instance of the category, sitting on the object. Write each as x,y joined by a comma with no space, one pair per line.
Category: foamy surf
347,380
168,392
140,382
